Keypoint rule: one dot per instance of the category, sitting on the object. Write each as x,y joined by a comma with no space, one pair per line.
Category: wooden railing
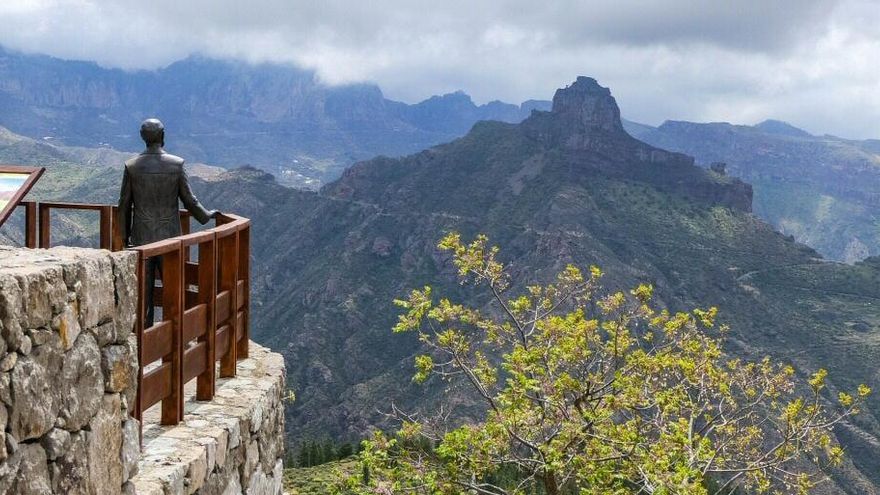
203,300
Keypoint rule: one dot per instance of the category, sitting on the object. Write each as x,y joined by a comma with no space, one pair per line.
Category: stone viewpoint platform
68,382
230,445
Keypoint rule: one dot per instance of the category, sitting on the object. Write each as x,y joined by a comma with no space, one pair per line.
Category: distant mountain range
823,190
278,118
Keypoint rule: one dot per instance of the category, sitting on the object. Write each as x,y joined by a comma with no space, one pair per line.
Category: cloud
806,61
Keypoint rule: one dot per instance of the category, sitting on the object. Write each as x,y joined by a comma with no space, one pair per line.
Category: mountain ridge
231,113
820,189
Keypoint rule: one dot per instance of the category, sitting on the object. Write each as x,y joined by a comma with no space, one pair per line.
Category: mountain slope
823,190
564,186
231,113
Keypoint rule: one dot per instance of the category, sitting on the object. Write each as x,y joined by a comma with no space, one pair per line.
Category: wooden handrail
205,303
106,212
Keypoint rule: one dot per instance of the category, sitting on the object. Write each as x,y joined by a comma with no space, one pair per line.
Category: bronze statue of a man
152,184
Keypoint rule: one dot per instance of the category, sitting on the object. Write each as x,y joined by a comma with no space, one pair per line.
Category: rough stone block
82,383
8,361
8,470
11,309
234,487
92,280
222,447
197,469
263,483
70,472
125,285
5,389
105,334
55,443
115,363
131,448
131,392
25,346
210,445
104,446
33,472
42,337
36,393
129,489
67,325
251,461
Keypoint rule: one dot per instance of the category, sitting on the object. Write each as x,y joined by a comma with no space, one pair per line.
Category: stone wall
68,371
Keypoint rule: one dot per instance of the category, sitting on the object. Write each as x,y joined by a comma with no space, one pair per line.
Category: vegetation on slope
820,189
594,393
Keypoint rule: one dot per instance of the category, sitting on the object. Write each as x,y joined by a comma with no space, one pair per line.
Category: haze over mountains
229,113
819,189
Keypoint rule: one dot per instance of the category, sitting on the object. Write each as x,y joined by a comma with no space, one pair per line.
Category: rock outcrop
585,122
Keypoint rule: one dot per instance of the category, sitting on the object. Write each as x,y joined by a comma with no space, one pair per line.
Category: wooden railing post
117,244
185,228
162,340
30,224
206,383
106,231
172,310
44,225
227,261
243,297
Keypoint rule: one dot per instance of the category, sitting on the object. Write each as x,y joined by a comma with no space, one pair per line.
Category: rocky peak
584,116
587,106
781,128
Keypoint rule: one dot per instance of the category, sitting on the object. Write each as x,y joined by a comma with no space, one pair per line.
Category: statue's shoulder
131,162
172,159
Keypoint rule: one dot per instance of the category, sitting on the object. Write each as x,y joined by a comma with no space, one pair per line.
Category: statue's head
153,132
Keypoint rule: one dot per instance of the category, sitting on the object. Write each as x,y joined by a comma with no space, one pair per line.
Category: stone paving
231,445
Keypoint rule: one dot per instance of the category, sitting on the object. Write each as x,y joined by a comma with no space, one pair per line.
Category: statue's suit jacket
148,208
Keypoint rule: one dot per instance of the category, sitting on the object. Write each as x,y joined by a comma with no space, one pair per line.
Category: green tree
328,453
314,454
595,393
345,450
302,458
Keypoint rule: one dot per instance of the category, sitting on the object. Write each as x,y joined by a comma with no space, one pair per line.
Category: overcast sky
814,63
